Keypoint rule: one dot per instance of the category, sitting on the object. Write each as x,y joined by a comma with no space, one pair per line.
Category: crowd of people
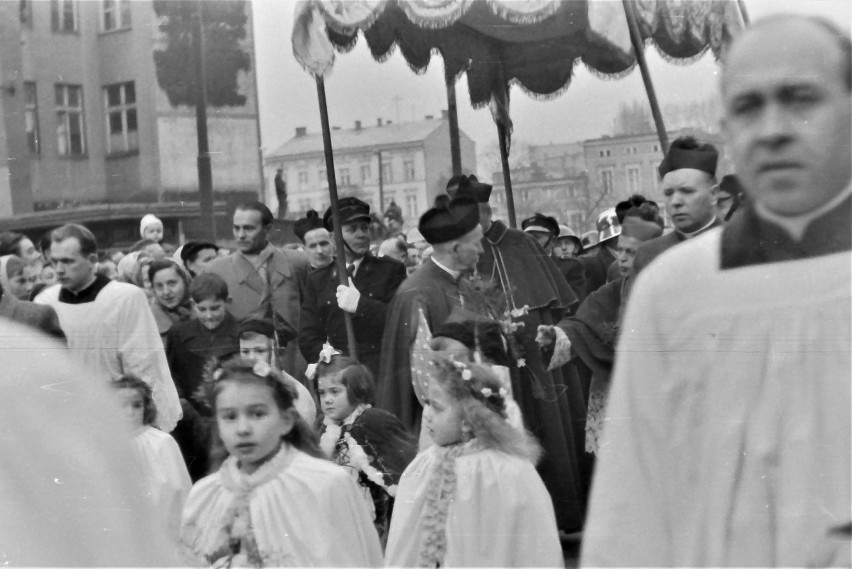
675,392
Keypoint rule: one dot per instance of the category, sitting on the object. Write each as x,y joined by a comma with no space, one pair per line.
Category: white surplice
304,511
727,437
500,514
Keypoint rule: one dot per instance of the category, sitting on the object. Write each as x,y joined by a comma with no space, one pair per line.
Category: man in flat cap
551,402
436,287
316,240
728,439
688,184
372,283
547,232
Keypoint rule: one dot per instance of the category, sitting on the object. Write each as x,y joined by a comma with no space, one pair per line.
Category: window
656,148
63,15
634,179
387,172
303,179
31,117
607,152
26,7
70,129
408,167
411,206
601,152
606,181
366,173
122,129
323,177
344,177
115,14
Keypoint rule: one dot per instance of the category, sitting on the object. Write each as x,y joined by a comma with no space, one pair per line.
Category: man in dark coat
688,182
532,292
596,265
372,283
546,231
436,287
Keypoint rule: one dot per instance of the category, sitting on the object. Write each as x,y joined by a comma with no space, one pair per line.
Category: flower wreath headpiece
213,373
494,400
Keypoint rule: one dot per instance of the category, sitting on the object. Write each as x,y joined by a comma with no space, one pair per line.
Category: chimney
379,122
445,114
301,131
335,128
357,125
429,117
389,122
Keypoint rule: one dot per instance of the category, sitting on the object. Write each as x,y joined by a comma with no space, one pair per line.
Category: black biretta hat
469,186
686,152
456,218
351,209
310,222
541,223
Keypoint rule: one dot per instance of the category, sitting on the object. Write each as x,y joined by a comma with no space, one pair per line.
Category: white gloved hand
348,297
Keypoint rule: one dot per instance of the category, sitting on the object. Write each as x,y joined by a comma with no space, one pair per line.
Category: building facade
408,163
87,122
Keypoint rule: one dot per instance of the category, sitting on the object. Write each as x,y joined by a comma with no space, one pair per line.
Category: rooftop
392,134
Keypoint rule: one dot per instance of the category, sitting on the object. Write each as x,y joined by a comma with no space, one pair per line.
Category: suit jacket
377,279
650,250
39,316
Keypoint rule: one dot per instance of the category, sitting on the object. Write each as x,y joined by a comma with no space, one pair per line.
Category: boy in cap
372,283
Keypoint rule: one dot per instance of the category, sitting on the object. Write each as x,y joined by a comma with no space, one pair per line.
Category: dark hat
190,250
686,152
351,209
265,327
469,186
541,223
442,224
310,222
640,229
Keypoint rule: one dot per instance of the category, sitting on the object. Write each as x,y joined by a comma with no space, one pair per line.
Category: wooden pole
205,169
639,48
507,175
744,12
453,116
335,212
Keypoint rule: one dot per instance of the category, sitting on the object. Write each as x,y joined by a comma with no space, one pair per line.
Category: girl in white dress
473,498
273,502
162,464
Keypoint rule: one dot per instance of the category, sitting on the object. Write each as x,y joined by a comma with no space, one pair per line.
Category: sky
361,88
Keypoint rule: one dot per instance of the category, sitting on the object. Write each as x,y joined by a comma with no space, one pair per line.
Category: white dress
496,512
294,511
116,334
727,437
165,472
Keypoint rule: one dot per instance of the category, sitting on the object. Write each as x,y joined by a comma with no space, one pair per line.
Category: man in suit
372,283
688,183
261,278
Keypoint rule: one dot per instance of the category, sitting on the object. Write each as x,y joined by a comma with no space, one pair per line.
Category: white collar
454,274
797,224
698,231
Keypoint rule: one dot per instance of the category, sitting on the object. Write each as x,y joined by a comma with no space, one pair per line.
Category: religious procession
670,389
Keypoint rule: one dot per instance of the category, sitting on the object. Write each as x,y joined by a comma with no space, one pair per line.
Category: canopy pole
203,164
452,115
335,211
744,12
639,48
507,175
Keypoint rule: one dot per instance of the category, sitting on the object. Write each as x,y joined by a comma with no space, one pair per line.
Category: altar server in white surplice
728,438
108,324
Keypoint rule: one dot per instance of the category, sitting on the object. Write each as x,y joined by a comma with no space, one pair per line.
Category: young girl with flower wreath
371,443
473,498
274,501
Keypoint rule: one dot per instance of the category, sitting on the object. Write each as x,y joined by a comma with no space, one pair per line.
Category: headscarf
10,265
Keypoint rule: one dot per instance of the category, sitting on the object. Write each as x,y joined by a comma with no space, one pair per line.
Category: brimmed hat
310,222
540,223
608,226
351,209
441,224
469,186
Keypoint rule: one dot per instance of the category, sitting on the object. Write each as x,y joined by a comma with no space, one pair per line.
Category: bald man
728,440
